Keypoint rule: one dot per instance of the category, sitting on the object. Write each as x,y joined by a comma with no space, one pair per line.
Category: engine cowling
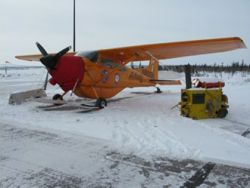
68,71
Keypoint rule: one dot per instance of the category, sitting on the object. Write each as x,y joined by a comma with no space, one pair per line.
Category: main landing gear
57,97
101,103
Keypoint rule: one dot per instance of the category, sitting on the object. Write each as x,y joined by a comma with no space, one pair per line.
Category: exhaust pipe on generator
188,76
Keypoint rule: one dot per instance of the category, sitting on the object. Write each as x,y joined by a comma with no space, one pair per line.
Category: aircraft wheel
101,103
158,90
57,97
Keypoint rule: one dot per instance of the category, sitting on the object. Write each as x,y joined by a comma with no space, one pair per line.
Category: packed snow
137,121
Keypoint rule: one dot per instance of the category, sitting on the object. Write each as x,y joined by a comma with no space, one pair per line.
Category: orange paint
105,74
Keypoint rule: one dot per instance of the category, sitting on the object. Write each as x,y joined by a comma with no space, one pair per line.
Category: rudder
151,70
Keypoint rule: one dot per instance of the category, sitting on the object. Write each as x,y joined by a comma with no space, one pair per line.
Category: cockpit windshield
91,55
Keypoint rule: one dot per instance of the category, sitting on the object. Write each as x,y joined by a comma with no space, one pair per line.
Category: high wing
163,50
35,57
171,50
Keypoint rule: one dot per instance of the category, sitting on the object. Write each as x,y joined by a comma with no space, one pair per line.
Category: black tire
158,90
57,97
222,113
184,114
224,98
101,103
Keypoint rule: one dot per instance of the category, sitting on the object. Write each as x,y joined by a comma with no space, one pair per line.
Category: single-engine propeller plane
102,74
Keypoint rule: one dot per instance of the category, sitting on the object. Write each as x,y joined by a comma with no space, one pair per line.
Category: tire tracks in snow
146,138
245,128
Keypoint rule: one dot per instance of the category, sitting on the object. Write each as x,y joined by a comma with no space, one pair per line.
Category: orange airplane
102,74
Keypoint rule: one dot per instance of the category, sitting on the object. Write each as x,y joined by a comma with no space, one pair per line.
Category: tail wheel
158,90
101,103
222,113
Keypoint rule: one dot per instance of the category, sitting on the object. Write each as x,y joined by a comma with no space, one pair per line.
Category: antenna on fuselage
74,25
74,41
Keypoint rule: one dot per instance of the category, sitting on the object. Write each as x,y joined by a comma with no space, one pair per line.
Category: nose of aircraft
68,72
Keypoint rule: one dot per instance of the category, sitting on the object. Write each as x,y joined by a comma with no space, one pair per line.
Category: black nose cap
49,62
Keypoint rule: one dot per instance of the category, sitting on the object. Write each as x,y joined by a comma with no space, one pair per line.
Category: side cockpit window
109,63
91,55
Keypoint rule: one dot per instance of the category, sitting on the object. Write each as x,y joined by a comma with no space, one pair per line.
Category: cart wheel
222,113
224,98
101,103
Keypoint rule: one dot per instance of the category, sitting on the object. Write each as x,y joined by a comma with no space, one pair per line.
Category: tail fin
153,67
151,70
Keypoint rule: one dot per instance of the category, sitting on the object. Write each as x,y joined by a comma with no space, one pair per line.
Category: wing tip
22,58
242,43
28,57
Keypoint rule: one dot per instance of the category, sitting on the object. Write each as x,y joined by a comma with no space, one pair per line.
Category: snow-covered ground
66,146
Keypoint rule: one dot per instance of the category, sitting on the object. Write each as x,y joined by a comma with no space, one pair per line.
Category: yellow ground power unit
205,99
202,103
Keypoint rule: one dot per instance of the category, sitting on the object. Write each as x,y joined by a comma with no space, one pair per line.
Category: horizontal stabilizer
167,82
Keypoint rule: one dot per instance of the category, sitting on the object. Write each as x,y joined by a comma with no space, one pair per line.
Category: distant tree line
234,67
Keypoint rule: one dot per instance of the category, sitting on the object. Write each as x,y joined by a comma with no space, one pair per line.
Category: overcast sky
117,23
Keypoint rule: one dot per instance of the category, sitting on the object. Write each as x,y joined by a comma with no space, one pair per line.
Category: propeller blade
41,49
50,61
62,52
